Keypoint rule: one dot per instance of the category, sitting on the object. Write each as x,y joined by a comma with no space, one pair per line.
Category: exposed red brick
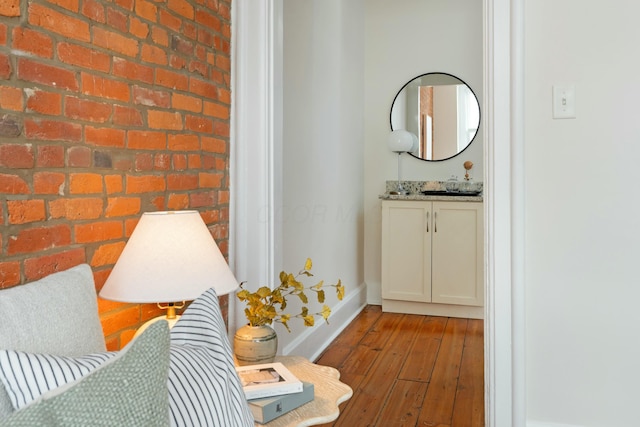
182,7
9,274
194,161
172,80
153,54
94,10
210,180
113,184
132,71
85,183
76,209
179,162
151,98
115,42
216,110
205,18
5,67
202,199
119,320
203,88
31,240
49,75
224,95
146,140
74,54
104,88
144,184
178,201
105,137
42,102
25,211
162,162
138,28
33,42
48,183
52,130
10,8
186,102
71,5
107,254
39,267
59,23
214,145
184,142
50,156
170,21
126,116
164,120
144,162
182,182
122,206
98,231
13,184
117,20
220,128
16,156
11,98
83,109
146,10
79,157
160,36
198,124
189,30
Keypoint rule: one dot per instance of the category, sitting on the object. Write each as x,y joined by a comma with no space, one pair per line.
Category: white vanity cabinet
432,257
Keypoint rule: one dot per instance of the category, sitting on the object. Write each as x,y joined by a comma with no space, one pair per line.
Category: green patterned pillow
129,390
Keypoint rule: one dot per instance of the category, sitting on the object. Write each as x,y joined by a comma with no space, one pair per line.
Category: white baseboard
531,423
313,341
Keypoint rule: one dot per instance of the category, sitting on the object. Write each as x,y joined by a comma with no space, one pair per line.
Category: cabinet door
406,251
457,267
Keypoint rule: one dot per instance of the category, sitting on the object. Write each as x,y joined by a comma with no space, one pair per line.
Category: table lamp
401,141
170,258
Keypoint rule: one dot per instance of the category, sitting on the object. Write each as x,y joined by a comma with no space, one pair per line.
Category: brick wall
108,109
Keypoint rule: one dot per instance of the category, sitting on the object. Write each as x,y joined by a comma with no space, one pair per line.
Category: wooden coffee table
329,392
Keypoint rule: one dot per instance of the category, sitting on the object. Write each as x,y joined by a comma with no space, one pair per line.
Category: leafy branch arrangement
266,305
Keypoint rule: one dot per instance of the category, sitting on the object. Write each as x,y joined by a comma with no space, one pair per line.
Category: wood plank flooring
410,370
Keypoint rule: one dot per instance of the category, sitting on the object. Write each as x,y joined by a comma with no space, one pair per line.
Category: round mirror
441,110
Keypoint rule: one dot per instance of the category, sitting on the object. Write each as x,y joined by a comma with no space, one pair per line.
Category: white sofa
55,321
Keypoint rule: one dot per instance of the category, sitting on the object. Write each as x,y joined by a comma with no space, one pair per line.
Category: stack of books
272,390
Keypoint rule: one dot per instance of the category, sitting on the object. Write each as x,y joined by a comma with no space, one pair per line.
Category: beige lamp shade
170,256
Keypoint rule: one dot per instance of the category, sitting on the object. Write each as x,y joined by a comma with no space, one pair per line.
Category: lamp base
148,323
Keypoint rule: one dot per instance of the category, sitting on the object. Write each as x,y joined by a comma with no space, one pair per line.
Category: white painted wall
322,170
404,39
582,221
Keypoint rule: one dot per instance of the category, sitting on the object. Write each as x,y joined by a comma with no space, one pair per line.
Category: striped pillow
26,376
204,388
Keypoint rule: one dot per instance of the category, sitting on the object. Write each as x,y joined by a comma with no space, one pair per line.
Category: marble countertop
423,197
415,189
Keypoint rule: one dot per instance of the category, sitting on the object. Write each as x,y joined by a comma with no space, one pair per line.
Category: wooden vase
255,344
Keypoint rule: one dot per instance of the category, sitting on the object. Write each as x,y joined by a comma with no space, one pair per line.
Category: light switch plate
564,102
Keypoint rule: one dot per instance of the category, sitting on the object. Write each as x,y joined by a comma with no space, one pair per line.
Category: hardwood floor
410,370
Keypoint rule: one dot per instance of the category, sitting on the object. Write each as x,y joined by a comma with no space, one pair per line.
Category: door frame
256,27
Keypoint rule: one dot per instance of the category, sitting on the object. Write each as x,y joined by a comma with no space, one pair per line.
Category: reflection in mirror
441,110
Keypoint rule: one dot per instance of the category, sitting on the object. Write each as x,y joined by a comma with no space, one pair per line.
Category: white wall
322,171
404,39
582,222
